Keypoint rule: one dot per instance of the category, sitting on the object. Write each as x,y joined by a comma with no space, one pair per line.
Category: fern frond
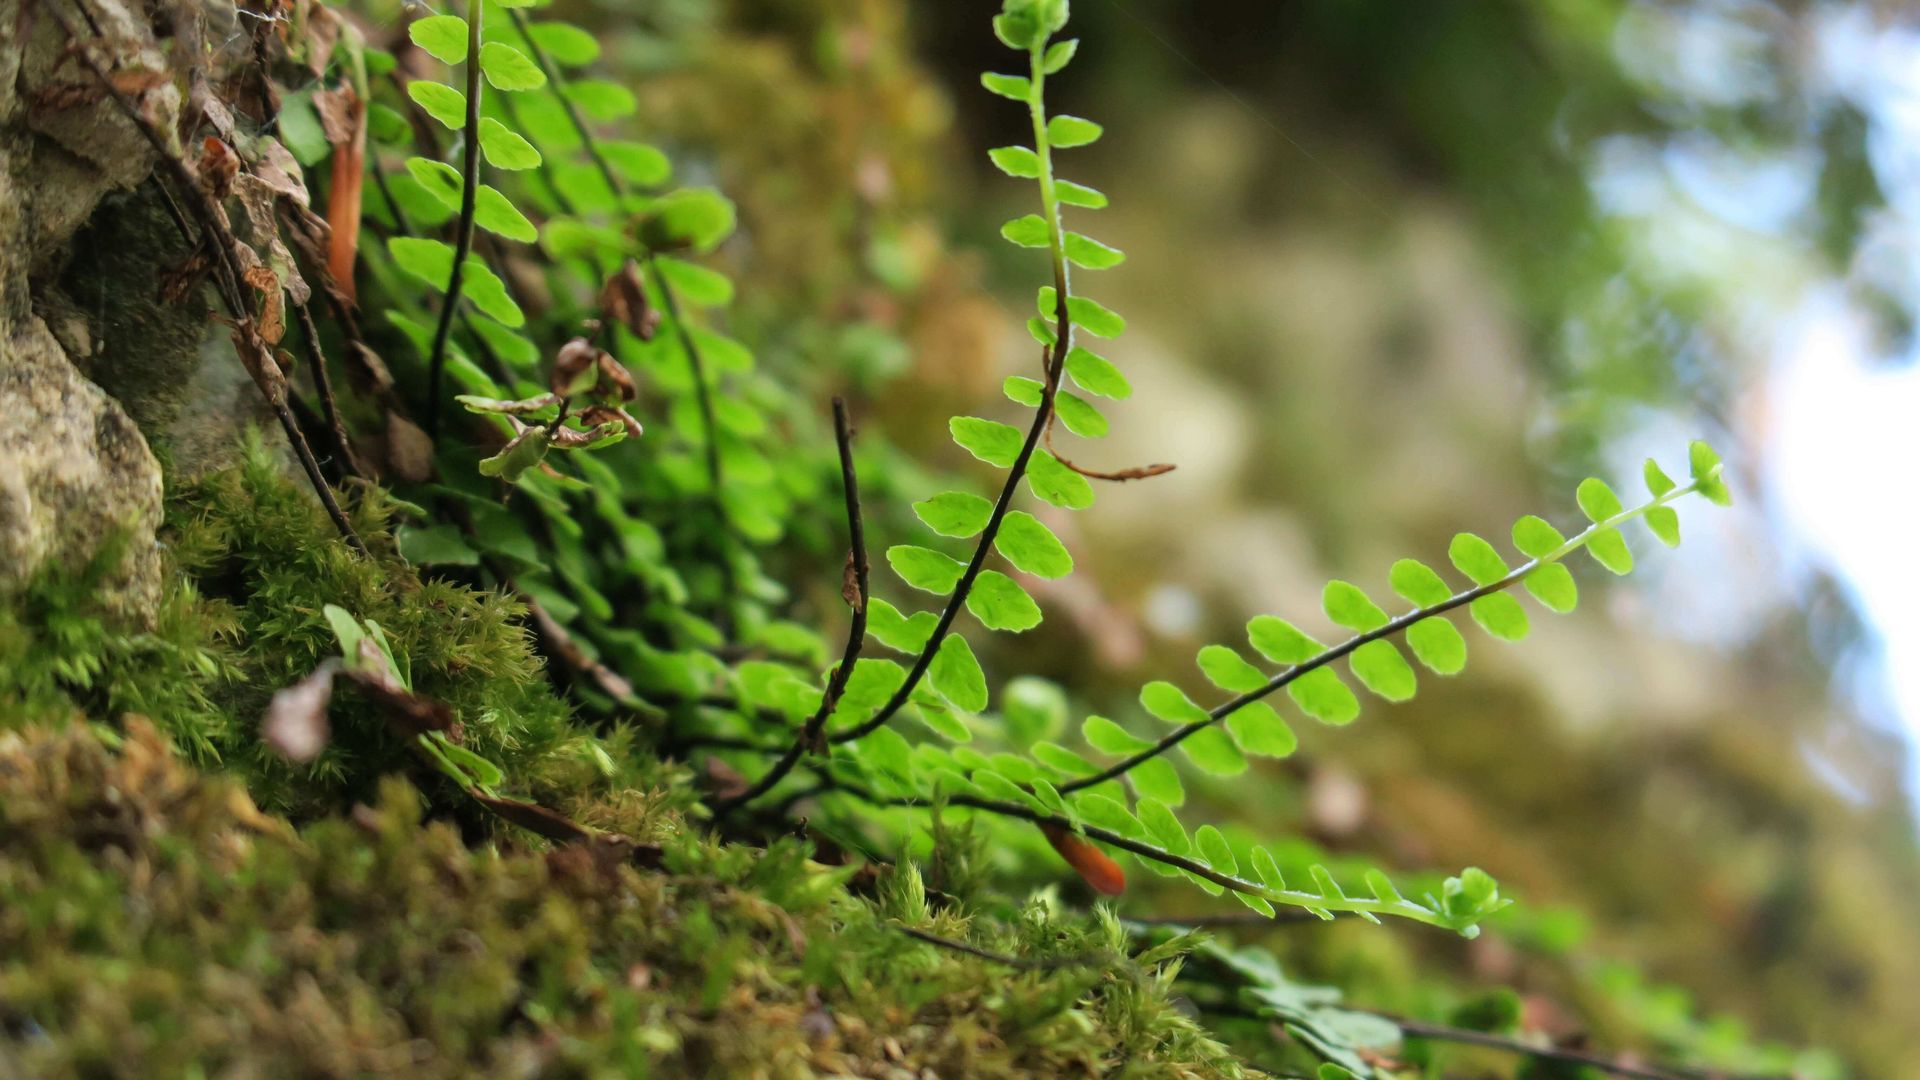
1372,658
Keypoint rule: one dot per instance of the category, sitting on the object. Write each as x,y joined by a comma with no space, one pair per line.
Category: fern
624,304
1077,803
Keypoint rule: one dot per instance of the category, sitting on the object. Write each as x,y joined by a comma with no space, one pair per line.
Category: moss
374,942
66,655
253,564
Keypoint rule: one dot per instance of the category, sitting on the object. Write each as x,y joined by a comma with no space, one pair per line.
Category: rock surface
75,471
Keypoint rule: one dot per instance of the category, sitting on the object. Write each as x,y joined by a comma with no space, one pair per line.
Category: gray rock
75,470
74,473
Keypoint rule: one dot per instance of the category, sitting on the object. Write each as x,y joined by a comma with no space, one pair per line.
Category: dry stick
265,373
1384,630
952,611
1442,1033
323,382
463,233
810,736
1420,1029
1025,963
1140,472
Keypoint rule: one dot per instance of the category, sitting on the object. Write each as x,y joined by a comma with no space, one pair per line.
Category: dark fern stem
463,229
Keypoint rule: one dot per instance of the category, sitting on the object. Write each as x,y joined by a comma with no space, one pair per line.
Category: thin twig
323,383
463,231
1024,963
563,647
255,355
1139,472
810,738
1420,1029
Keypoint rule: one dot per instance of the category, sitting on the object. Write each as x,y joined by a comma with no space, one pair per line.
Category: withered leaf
217,167
575,367
407,713
320,31
535,818
295,725
603,415
275,166
624,300
203,102
560,642
367,371
409,449
615,380
1096,867
343,116
272,324
62,96
517,407
850,585
178,281
723,780
601,434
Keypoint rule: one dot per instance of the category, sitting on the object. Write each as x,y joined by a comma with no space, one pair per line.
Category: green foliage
63,656
658,568
1215,741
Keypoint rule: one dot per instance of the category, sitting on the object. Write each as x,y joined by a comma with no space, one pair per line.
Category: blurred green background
1402,269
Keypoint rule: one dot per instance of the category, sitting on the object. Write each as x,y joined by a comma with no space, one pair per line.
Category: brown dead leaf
559,641
278,169
367,371
204,104
535,818
62,96
723,780
850,584
295,725
321,31
407,712
272,323
1094,866
615,380
217,167
409,449
572,367
624,300
176,282
595,415
344,117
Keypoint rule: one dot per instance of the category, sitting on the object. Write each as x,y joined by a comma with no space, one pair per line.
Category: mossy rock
153,921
